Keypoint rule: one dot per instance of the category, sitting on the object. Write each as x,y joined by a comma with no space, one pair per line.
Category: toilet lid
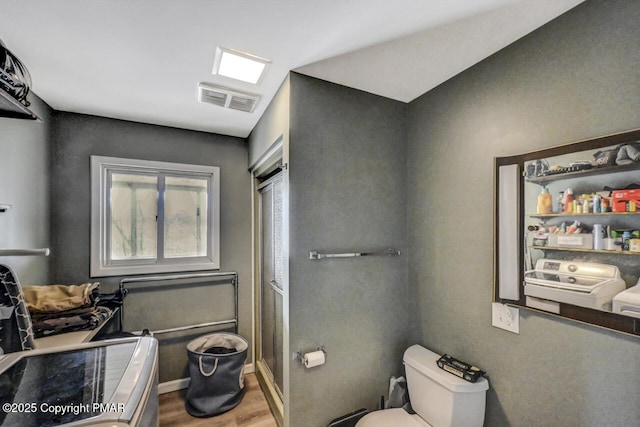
396,417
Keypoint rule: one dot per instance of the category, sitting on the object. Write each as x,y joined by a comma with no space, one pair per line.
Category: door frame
277,175
261,169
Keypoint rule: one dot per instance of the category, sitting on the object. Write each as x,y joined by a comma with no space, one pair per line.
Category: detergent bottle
545,202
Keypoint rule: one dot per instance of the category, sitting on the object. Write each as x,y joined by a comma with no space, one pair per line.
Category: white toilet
440,399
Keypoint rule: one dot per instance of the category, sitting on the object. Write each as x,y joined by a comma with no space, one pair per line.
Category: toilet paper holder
299,355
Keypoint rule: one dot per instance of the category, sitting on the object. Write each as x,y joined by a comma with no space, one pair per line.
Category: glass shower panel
268,299
272,279
278,237
268,327
278,343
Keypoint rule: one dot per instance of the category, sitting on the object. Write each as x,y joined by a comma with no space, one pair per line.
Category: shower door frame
274,395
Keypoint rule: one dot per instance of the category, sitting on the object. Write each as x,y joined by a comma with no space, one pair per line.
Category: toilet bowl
396,417
440,399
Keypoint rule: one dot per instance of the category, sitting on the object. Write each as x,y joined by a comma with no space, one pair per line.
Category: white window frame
101,167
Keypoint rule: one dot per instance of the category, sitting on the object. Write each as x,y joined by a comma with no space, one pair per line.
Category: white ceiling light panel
239,65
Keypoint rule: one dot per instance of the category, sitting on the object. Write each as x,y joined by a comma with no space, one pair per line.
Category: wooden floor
253,411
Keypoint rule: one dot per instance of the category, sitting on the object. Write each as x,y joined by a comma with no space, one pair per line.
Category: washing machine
105,383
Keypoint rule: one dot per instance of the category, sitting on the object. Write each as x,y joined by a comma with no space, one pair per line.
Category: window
153,217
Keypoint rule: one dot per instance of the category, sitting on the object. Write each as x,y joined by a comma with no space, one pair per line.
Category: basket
216,368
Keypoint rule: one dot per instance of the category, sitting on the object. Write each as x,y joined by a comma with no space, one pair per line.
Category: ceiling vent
227,98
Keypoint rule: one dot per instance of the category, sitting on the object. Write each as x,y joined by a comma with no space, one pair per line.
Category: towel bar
234,282
317,255
24,252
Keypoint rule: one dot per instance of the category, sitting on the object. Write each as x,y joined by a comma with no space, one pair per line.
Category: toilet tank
441,398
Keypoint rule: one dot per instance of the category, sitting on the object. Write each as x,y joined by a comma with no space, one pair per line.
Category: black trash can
216,367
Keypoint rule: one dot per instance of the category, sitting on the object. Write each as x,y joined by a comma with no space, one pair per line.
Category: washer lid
94,383
424,361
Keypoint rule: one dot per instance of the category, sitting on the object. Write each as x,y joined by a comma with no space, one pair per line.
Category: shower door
272,280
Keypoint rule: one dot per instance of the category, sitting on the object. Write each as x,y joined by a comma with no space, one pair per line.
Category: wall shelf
595,251
12,108
573,214
516,195
542,180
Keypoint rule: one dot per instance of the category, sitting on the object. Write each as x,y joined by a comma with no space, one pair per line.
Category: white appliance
578,283
440,399
627,302
105,383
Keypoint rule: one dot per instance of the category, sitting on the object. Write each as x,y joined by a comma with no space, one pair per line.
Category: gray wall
76,138
347,174
577,77
273,124
24,184
358,168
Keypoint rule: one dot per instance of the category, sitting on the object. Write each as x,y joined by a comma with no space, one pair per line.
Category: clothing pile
628,153
622,154
65,308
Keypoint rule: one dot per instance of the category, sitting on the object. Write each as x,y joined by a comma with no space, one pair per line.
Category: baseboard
175,385
182,383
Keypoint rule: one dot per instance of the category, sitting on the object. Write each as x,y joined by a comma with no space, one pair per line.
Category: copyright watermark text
71,408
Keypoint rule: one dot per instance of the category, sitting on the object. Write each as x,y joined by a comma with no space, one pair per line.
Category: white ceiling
142,60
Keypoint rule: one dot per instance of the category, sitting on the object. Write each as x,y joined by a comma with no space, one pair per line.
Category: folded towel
60,298
56,325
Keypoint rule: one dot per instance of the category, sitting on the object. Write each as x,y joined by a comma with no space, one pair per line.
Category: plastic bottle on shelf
568,200
545,202
560,202
598,237
626,236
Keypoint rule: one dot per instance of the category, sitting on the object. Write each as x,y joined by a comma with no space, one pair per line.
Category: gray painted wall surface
76,138
573,79
347,193
24,184
273,124
352,177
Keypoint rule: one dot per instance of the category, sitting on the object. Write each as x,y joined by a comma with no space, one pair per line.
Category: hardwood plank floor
253,411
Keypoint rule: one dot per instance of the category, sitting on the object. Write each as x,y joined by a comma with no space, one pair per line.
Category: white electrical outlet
505,317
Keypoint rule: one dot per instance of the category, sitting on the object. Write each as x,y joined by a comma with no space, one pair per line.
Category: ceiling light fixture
238,65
